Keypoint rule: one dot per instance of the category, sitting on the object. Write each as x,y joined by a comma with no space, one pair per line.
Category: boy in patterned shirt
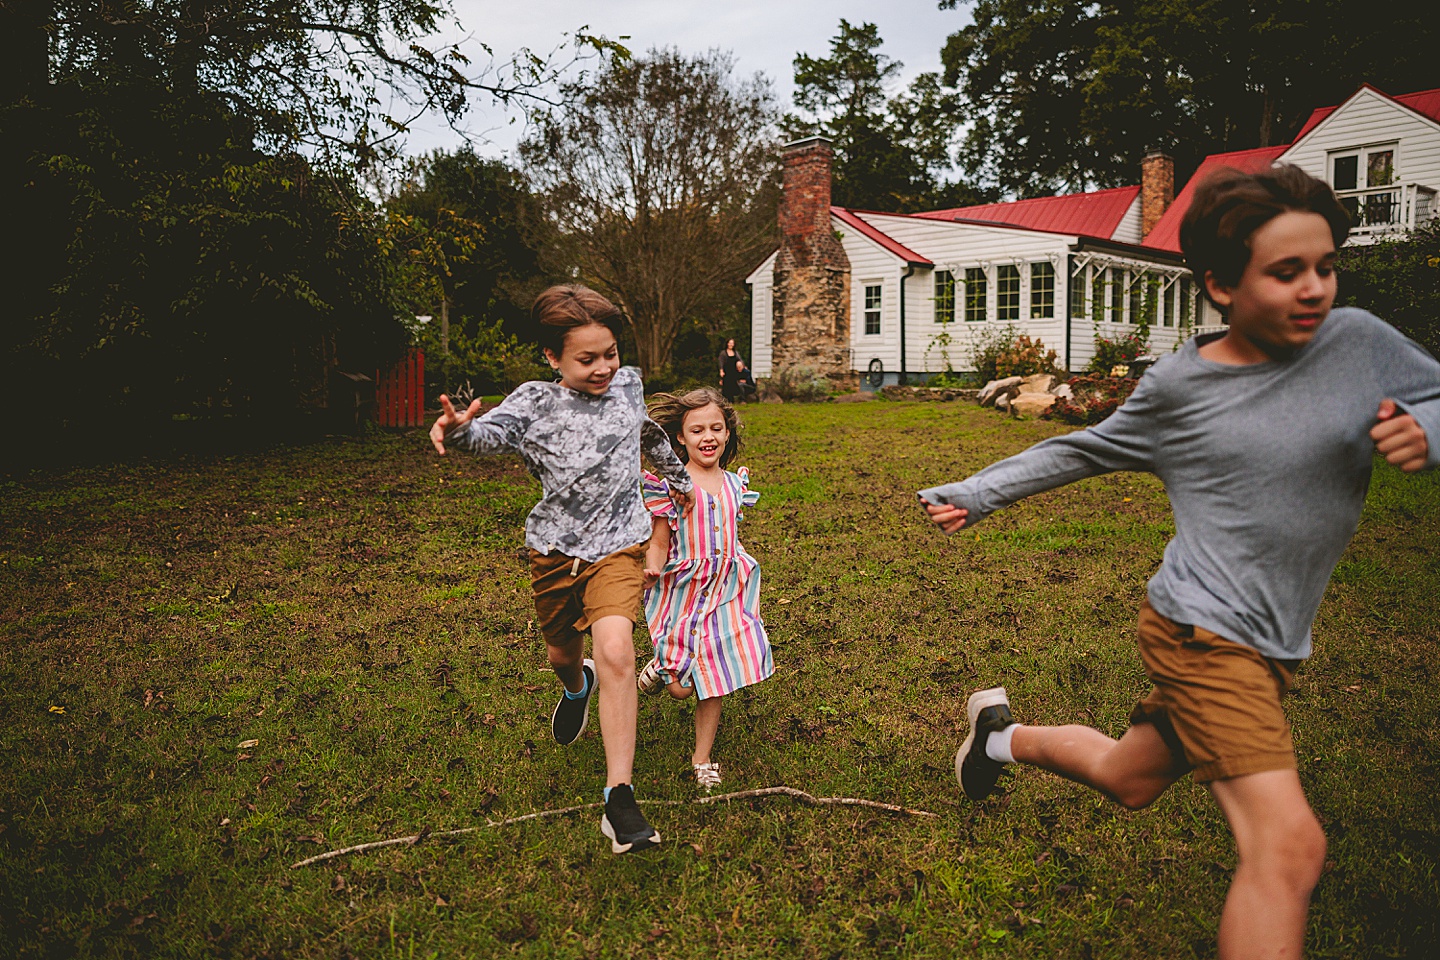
582,438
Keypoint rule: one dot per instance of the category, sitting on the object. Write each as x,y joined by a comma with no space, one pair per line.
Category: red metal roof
893,246
1095,214
1424,102
1166,232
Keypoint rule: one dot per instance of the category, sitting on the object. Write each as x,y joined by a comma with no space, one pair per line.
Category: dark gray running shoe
570,716
624,824
989,712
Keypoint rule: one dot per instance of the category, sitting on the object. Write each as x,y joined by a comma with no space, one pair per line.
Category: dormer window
1359,177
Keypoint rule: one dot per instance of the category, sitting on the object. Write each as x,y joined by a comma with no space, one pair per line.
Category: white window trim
865,286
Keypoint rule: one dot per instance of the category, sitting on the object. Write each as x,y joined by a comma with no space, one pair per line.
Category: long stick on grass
762,792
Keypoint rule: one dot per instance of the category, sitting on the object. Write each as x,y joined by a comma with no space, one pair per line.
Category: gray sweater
1266,467
585,451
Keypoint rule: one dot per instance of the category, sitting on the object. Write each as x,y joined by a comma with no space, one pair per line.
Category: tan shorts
571,594
1215,702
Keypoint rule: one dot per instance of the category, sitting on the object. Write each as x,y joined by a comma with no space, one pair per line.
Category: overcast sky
764,36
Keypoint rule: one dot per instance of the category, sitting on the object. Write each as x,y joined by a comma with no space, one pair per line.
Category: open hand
1399,439
449,419
947,517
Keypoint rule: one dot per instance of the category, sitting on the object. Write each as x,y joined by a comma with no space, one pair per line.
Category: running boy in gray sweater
1263,437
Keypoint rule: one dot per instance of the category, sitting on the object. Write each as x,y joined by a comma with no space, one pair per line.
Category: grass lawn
360,610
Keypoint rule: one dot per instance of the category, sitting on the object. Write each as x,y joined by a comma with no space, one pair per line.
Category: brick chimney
811,316
1157,189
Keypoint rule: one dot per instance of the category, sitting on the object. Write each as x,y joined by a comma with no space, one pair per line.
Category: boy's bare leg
1281,851
707,723
1133,771
614,652
567,661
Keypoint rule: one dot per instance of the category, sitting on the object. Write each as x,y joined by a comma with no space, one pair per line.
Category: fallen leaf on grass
57,710
247,744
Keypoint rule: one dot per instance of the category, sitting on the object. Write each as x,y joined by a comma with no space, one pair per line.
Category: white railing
1203,329
1397,208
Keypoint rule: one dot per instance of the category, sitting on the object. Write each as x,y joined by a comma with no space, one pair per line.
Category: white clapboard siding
871,263
762,306
1128,229
956,246
1367,119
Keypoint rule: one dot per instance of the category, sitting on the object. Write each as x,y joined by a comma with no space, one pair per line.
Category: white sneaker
988,712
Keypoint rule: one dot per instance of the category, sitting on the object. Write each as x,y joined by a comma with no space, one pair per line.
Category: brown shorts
571,594
1215,702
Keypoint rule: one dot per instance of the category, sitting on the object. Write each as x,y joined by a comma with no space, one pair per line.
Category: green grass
361,609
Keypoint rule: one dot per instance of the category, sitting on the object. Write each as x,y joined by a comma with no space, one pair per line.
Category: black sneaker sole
630,846
988,712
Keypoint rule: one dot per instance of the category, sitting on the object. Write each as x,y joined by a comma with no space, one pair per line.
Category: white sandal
707,775
650,679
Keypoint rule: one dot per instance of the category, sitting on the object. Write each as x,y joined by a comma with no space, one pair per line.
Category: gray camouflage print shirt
585,451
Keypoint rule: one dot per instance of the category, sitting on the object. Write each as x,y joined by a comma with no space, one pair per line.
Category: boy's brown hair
565,306
1230,205
668,410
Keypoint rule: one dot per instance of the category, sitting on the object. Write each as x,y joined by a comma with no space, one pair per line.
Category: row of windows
1117,295
1111,294
1007,293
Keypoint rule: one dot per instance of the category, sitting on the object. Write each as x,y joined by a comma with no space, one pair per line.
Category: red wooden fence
400,392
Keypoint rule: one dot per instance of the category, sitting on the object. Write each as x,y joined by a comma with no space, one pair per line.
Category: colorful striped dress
704,612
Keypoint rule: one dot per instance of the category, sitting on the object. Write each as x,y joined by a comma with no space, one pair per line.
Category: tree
891,153
456,231
1069,94
659,186
342,77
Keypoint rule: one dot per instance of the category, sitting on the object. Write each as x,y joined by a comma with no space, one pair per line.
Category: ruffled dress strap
743,494
656,493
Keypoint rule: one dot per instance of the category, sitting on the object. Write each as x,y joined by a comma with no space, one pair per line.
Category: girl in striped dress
703,590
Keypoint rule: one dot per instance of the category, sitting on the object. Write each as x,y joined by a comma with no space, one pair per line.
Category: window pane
1185,303
1042,290
1097,293
1347,171
944,296
975,294
1380,168
1117,295
872,309
1167,305
1007,292
1077,292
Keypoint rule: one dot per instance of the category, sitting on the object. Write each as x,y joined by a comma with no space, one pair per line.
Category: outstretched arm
498,431
1124,441
658,552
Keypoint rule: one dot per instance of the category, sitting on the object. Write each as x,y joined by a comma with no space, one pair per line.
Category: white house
907,294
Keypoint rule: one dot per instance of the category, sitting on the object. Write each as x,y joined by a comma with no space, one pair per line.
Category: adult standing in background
729,373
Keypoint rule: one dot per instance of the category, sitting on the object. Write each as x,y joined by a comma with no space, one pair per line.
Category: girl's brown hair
668,410
1230,205
565,306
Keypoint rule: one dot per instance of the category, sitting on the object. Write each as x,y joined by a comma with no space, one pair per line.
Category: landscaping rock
1032,404
994,388
1037,383
1002,401
897,392
1063,391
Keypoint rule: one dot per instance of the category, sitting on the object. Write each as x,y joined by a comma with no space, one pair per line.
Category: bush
1025,357
1399,281
1110,354
1094,399
999,352
803,384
